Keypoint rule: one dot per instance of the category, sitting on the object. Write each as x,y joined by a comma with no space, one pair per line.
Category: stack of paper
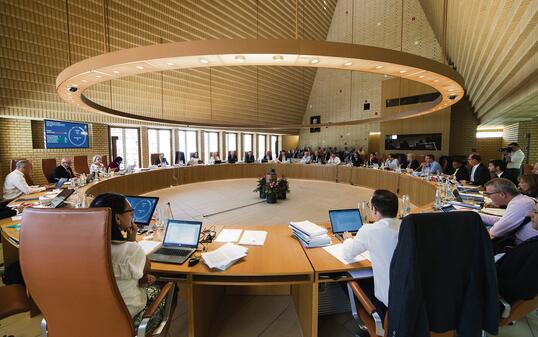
224,256
309,234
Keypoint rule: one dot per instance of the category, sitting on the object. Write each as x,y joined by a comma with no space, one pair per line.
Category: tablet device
143,208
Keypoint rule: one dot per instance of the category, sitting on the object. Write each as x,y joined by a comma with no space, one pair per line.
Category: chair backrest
154,157
65,258
13,166
48,166
81,164
105,160
180,157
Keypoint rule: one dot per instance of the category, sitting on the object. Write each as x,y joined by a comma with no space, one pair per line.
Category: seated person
392,162
214,158
373,160
283,157
64,170
306,158
114,165
97,164
161,161
6,212
249,157
412,162
129,262
503,192
497,169
430,166
380,239
232,157
356,159
334,160
479,174
528,185
517,274
461,173
180,158
15,183
318,158
268,157
195,160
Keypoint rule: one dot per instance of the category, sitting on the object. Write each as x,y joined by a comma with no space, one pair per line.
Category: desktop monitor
143,208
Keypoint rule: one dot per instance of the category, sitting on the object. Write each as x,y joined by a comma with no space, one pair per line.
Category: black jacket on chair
517,272
462,174
481,175
442,277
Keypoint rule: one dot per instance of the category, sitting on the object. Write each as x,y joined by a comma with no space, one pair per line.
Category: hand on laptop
347,235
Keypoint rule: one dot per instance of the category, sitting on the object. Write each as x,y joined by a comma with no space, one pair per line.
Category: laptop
58,200
143,207
345,220
180,242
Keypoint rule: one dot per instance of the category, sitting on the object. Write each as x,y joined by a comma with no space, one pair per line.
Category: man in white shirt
392,162
15,183
514,159
306,158
380,239
503,192
334,160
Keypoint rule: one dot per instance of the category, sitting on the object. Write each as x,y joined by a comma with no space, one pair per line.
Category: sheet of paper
337,251
229,235
254,238
150,246
361,273
16,218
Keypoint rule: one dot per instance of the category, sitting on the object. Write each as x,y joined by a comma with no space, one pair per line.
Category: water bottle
406,208
437,204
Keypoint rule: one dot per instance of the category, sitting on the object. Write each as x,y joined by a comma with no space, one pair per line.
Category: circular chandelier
73,81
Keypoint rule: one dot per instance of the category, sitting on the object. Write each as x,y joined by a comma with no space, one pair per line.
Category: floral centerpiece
262,183
272,190
284,187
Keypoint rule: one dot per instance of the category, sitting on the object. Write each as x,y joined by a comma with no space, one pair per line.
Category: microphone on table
170,208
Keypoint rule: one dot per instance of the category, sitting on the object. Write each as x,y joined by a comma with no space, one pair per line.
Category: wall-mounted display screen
430,142
65,135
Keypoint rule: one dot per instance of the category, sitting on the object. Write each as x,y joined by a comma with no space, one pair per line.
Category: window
231,143
247,143
188,143
274,145
160,141
211,144
261,146
124,143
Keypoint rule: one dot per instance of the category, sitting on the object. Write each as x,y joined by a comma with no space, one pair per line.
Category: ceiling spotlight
416,43
314,61
170,63
98,76
436,81
379,67
403,71
115,72
379,23
139,67
84,81
421,76
451,90
204,61
240,58
347,64
278,58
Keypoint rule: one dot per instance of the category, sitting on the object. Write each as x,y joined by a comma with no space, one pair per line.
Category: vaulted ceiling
493,44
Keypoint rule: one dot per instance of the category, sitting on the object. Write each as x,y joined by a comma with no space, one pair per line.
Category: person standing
514,159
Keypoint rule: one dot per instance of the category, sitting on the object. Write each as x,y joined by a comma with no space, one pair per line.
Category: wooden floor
263,316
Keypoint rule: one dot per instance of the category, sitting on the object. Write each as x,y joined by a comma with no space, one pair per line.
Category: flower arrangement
261,187
272,191
284,187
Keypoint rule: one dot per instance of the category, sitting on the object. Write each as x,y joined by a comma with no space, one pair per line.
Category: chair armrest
155,304
361,296
506,308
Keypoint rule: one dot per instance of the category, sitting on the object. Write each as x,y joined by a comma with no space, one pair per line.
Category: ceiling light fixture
240,58
170,63
139,67
379,67
421,76
314,61
347,64
97,76
115,72
403,71
278,58
204,61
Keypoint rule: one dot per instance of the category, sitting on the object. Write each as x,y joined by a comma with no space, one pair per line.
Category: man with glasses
503,192
479,173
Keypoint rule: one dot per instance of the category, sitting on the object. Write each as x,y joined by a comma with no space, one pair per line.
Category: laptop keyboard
171,251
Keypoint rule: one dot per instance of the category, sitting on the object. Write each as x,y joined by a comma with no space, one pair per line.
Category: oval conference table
280,267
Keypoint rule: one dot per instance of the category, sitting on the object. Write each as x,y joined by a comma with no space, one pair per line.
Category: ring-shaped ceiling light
74,80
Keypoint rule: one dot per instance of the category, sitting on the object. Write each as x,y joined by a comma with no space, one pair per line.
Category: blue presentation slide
143,209
65,135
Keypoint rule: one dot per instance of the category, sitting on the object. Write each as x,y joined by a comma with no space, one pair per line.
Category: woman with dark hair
115,164
528,185
129,262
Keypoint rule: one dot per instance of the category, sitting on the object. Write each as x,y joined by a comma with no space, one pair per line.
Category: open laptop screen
143,208
181,233
345,220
